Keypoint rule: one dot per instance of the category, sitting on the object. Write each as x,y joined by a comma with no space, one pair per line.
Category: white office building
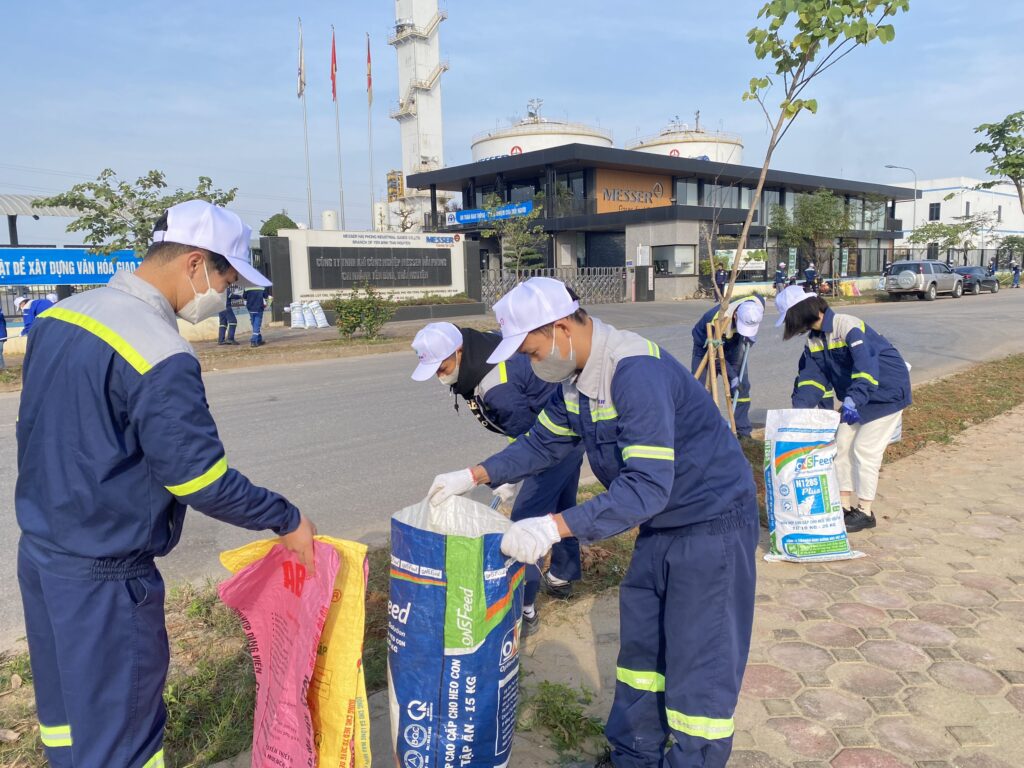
947,199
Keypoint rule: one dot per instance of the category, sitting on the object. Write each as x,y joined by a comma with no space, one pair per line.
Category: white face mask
449,379
554,368
203,305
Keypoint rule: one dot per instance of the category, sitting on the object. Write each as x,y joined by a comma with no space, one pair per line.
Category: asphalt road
351,441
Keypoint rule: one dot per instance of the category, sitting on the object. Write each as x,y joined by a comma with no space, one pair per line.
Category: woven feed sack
453,636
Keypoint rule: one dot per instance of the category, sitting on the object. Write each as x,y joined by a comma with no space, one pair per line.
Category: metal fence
594,285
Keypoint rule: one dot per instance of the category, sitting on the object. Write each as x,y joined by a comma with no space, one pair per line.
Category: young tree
817,221
520,236
119,215
1005,143
278,221
960,235
1012,244
801,39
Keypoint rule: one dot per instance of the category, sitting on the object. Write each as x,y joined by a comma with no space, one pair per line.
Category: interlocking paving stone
968,735
860,757
834,635
778,707
966,677
855,737
801,657
894,654
922,633
805,737
912,737
831,707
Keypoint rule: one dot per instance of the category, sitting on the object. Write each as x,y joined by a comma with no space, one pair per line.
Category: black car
976,279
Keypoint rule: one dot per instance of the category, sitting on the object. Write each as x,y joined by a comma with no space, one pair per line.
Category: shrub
364,309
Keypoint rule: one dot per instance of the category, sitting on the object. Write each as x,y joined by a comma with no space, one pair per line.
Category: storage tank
680,140
535,132
329,220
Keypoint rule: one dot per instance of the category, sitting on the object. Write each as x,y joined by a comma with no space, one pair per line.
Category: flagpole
369,126
305,126
337,134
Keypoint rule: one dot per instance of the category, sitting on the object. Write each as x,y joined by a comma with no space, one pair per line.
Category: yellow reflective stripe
648,452
867,376
701,727
742,399
55,735
210,476
156,761
809,383
554,428
102,332
641,681
502,373
830,393
572,406
652,349
511,439
815,346
836,344
604,414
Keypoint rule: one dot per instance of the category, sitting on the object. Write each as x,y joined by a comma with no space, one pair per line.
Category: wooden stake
728,389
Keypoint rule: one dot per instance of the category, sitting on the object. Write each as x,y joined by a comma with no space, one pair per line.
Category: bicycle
703,292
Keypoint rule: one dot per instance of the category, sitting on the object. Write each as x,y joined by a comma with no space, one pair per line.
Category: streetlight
904,168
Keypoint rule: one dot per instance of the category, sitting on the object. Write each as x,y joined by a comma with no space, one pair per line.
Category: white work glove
450,484
529,540
505,492
734,384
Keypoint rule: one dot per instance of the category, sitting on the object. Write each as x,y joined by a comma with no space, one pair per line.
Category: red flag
334,68
369,75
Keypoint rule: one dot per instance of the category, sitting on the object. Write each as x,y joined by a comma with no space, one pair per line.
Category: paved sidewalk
912,656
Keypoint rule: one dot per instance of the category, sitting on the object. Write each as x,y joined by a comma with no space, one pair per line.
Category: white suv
925,278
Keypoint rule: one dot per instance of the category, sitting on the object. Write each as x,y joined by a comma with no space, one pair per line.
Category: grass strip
210,694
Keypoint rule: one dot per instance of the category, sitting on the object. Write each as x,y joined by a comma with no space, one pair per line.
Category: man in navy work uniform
115,438
745,317
656,441
255,303
30,310
506,398
228,322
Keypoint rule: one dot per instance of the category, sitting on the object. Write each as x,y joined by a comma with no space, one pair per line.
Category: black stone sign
341,268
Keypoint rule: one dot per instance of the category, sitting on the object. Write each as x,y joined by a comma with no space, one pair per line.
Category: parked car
977,279
926,279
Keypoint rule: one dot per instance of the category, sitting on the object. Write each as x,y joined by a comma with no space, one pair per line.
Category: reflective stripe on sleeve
867,376
604,414
809,383
210,476
653,682
502,373
653,350
113,339
156,761
701,727
553,428
55,735
648,452
836,344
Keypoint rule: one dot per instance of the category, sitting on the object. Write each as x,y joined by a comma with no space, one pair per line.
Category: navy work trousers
228,324
686,608
744,426
553,490
99,661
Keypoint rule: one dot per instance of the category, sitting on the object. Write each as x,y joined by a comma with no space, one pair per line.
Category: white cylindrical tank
535,133
329,219
679,140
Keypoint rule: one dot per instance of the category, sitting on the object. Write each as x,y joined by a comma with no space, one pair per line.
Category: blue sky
208,88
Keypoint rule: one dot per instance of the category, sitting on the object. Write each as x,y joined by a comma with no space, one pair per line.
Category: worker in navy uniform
721,278
255,302
228,322
738,337
506,398
31,309
866,374
670,465
115,440
781,278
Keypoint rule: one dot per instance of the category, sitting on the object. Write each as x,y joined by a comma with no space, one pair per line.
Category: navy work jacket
255,299
513,396
733,343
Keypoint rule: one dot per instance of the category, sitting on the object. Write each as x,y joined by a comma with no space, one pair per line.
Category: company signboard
752,259
627,191
62,266
384,260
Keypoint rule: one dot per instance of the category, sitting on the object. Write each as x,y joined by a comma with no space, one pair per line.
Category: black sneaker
561,591
858,520
531,624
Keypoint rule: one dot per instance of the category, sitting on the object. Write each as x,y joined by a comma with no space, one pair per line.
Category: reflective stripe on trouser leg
45,670
845,435
868,447
743,423
708,615
111,648
636,728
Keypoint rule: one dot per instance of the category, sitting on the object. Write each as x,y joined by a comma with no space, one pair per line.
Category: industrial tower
420,67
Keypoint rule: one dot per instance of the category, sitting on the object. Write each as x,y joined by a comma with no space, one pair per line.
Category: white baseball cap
434,344
527,307
21,300
782,263
748,318
789,297
215,229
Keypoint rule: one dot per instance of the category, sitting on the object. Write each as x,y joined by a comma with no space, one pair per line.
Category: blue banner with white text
62,266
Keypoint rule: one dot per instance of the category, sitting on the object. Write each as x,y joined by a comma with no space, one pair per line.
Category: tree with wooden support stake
801,39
